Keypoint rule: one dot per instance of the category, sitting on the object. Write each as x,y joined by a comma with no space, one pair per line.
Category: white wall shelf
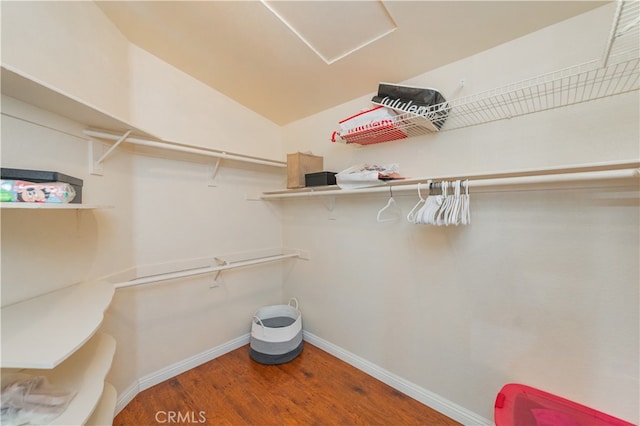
103,414
52,206
178,147
44,96
575,173
83,372
44,331
32,91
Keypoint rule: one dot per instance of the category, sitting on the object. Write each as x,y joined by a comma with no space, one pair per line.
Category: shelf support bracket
214,171
329,202
95,148
114,146
216,280
613,34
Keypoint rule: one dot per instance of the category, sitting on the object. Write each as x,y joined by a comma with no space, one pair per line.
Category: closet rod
477,183
559,178
187,149
201,271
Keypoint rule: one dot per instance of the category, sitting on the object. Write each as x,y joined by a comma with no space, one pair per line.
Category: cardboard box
298,165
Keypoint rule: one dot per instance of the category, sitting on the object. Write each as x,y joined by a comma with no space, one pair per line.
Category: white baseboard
173,370
426,397
126,396
180,367
416,392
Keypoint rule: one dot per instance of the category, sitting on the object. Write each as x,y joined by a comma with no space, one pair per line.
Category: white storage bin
276,334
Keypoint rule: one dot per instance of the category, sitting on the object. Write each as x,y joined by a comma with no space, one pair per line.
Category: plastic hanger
466,213
441,216
412,217
427,214
455,211
391,210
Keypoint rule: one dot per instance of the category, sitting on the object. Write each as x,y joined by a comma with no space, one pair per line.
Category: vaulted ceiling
283,59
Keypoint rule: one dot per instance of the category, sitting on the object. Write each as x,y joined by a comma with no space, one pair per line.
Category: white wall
182,109
541,288
69,45
164,212
47,250
83,54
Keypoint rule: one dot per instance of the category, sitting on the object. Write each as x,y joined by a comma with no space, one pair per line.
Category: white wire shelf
570,86
625,33
617,72
401,126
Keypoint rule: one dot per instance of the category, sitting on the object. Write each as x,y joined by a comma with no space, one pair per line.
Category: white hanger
466,213
412,217
391,209
455,211
451,207
441,215
426,215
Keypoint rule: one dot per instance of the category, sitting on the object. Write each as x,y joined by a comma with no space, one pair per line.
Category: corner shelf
44,331
103,414
83,372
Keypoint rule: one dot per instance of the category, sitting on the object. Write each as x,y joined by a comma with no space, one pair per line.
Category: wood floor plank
316,388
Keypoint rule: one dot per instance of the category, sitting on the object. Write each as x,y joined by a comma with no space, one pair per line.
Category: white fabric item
364,175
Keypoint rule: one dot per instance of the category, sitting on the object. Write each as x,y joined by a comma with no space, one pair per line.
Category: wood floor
314,389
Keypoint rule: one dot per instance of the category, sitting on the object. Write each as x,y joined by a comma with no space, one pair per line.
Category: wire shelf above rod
624,36
573,85
617,72
401,126
570,86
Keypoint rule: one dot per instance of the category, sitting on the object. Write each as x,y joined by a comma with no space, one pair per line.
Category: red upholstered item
520,405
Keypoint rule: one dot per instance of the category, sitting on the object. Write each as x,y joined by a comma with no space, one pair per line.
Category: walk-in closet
448,261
